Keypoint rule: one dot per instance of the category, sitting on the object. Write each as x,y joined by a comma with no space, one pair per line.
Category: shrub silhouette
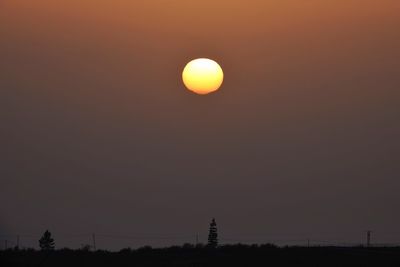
46,242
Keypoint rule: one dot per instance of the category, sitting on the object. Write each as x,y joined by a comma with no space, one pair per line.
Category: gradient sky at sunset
98,133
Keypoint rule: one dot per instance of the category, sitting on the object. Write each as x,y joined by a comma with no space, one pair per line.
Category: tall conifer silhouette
213,234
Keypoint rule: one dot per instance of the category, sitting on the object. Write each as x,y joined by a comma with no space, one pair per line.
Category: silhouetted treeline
227,255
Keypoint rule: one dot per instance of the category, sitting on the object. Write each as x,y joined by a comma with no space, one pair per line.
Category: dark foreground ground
233,255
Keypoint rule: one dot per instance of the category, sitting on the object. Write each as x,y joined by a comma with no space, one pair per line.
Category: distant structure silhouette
46,242
213,234
369,238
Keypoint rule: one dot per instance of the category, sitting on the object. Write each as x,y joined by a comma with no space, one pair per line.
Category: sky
99,135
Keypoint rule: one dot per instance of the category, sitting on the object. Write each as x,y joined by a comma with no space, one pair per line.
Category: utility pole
197,239
94,241
369,238
18,241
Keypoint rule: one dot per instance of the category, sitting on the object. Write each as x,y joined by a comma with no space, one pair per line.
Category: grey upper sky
99,135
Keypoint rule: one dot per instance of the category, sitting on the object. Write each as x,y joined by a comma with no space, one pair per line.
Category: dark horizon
187,255
99,134
95,241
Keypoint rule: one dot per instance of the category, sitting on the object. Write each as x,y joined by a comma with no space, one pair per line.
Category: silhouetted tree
213,234
46,242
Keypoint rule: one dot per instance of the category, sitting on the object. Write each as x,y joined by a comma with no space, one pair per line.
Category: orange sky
308,110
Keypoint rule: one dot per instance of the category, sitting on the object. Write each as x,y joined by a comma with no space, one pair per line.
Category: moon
202,76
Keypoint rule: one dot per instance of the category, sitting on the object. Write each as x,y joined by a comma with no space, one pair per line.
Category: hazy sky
99,135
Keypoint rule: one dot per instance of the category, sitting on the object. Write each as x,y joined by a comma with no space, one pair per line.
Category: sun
202,76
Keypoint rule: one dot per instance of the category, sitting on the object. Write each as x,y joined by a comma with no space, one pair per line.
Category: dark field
232,255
